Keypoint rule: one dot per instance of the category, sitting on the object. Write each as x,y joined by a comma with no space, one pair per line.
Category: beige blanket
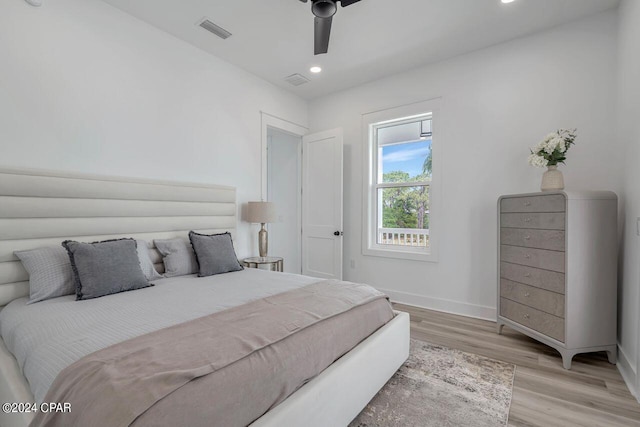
225,369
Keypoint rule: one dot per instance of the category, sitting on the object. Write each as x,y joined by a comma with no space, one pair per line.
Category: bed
43,208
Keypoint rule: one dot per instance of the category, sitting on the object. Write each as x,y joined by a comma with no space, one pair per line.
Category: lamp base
263,244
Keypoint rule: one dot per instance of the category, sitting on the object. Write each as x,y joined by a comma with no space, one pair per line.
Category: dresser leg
499,328
566,361
612,355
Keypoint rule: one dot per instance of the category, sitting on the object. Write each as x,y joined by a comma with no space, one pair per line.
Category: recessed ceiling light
507,1
315,69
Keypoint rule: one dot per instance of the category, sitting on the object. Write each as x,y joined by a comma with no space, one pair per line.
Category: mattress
48,336
225,369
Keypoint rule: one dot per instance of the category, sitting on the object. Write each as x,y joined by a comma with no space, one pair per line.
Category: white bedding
48,336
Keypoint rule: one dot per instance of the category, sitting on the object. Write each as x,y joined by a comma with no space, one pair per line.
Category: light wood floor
592,393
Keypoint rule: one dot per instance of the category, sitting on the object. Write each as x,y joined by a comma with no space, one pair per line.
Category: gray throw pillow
178,257
145,261
104,268
50,273
214,253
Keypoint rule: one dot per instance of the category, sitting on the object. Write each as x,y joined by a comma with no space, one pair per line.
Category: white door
322,204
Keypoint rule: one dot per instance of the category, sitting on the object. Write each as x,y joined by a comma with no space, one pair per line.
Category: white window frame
370,123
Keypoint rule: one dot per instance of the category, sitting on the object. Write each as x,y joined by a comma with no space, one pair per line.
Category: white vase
552,179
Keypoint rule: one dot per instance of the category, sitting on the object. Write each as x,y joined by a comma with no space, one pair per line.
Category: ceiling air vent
296,79
215,29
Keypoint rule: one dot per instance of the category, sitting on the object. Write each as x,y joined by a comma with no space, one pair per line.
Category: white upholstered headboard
39,208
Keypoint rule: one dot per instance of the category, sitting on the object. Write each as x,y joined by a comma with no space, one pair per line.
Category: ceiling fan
323,10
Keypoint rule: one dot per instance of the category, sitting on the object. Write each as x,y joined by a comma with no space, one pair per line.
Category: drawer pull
527,219
527,203
527,237
526,294
526,316
527,256
527,274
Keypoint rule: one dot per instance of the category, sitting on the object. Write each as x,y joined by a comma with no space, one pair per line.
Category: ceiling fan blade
346,3
322,27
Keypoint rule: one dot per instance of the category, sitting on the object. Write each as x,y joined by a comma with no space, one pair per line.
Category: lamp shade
262,212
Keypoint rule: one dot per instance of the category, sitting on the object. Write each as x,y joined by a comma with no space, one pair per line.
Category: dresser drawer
549,302
551,203
539,258
537,320
541,239
543,279
547,221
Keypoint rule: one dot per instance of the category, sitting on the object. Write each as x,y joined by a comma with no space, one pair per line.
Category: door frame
284,126
271,121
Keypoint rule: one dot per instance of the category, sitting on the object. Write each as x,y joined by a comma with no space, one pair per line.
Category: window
399,191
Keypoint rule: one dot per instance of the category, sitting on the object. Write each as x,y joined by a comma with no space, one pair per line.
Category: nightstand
275,263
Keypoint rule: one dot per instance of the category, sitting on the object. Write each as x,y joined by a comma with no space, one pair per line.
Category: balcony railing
403,236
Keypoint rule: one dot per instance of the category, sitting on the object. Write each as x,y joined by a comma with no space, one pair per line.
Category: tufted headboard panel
39,208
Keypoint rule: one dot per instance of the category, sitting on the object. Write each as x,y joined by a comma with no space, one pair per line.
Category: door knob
338,233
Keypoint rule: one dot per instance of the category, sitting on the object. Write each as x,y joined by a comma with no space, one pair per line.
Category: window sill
401,253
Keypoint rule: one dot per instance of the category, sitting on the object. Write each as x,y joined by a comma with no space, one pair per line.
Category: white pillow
179,258
145,261
50,273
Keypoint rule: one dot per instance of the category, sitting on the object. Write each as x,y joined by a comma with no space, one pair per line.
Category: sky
407,157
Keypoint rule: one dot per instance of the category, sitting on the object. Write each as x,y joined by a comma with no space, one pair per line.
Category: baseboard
444,305
628,372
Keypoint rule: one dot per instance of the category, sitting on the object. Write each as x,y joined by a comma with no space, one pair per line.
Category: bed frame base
13,388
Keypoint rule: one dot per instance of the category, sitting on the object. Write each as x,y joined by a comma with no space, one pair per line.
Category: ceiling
369,40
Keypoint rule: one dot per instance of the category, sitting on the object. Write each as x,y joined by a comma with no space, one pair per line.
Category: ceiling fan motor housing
324,8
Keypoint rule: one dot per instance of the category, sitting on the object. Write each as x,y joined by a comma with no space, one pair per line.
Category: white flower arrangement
552,149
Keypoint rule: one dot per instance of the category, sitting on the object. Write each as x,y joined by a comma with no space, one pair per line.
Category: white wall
629,136
85,87
497,103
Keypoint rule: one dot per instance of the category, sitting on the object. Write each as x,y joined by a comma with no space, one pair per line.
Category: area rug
438,386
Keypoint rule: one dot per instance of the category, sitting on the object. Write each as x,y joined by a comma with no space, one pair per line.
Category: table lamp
262,213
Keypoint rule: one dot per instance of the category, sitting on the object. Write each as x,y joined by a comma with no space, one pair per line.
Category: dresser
557,264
